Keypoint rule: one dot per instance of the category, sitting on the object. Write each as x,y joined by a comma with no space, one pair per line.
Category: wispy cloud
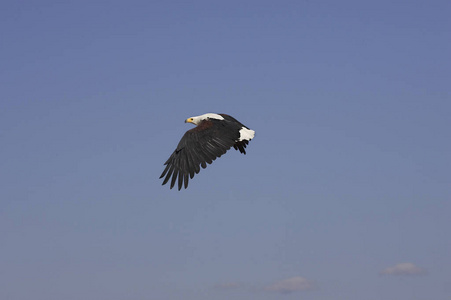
290,285
403,269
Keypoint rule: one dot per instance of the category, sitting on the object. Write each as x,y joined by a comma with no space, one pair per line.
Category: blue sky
345,190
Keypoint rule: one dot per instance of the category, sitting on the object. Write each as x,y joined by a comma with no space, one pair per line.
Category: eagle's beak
190,120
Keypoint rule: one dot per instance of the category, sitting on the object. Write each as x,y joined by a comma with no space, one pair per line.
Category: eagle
213,135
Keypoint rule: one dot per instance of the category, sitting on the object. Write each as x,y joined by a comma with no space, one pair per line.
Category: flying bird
213,135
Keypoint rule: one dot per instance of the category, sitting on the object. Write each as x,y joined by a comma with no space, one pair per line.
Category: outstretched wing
197,148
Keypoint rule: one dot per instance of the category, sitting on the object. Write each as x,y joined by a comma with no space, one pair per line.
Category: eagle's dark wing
239,145
199,146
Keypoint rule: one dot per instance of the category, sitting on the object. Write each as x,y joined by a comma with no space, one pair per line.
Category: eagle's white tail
246,134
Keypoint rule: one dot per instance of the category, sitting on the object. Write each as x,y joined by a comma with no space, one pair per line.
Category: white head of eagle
213,135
